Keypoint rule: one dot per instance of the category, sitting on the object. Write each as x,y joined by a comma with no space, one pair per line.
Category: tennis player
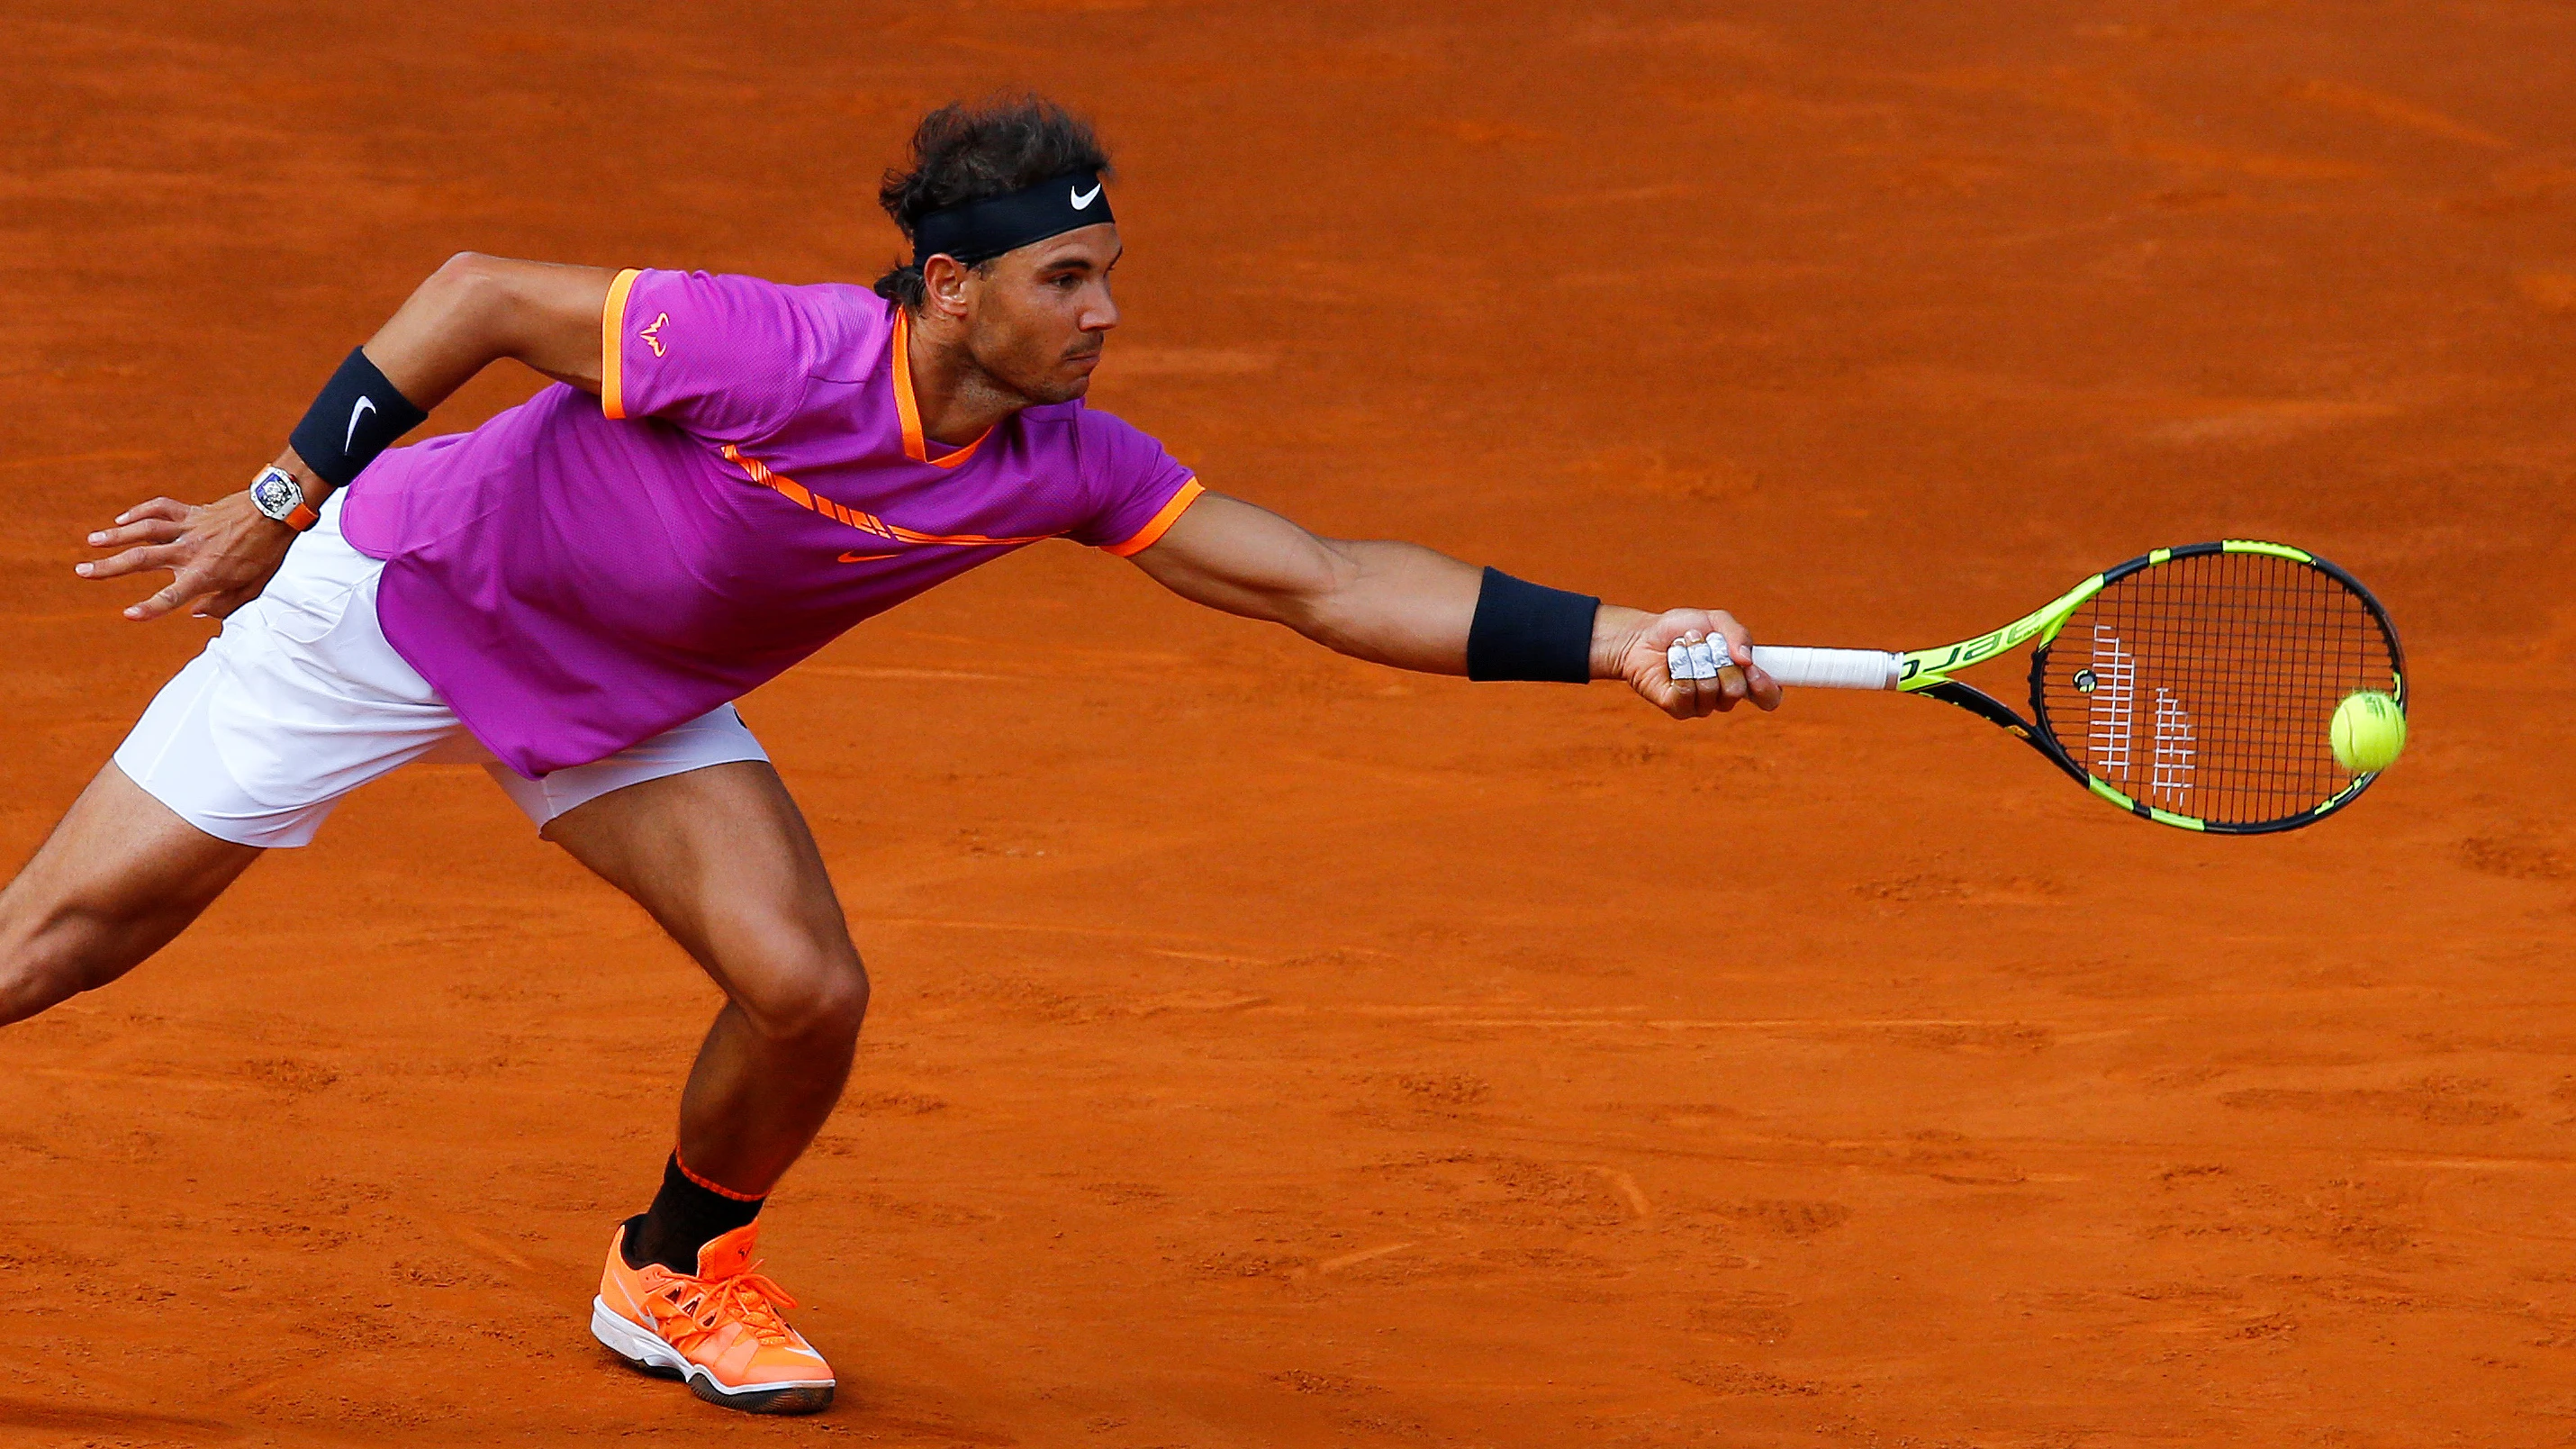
726,475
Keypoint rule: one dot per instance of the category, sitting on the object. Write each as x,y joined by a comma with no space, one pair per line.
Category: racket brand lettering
1961,655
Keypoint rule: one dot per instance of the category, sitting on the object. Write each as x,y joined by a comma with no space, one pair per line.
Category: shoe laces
750,1297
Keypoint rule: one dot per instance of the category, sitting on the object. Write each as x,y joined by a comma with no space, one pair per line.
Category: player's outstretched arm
472,312
1415,608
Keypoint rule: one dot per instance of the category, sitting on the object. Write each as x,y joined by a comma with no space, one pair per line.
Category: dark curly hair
964,152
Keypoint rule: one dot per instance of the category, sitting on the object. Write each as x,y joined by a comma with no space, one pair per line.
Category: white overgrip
1795,668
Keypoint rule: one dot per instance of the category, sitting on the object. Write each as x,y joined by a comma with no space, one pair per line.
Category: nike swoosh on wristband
364,405
1082,199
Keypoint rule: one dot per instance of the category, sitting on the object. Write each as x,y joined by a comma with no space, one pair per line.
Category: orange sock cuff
718,1188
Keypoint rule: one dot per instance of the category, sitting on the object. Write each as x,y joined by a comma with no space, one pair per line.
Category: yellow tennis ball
2369,730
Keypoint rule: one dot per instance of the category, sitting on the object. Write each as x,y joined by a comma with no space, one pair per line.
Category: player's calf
771,1070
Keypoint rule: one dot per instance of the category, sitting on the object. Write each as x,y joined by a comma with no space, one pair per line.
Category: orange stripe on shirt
1161,523
804,497
612,345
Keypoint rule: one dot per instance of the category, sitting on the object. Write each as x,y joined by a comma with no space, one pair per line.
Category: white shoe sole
646,1350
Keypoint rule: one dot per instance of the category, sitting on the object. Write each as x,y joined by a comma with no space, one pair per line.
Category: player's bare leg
723,860
118,878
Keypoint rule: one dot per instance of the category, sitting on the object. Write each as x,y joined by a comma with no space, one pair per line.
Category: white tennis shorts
300,700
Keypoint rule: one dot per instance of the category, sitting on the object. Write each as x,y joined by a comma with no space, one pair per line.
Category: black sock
685,1217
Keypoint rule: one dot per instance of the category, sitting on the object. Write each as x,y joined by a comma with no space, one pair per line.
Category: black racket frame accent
2031,731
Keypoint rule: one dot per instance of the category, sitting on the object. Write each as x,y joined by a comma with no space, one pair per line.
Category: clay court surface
1275,1050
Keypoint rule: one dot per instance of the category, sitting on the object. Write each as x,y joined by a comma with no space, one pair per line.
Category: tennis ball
2369,730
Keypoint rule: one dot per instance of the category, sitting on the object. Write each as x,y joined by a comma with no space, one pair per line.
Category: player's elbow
489,307
468,294
464,277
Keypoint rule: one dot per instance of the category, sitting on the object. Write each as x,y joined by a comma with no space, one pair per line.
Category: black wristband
358,415
1524,631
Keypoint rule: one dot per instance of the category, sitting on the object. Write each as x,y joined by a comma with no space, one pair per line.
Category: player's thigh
119,876
722,858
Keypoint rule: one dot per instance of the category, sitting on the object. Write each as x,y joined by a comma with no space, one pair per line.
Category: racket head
2197,687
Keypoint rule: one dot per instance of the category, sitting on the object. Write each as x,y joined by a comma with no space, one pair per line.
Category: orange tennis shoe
720,1330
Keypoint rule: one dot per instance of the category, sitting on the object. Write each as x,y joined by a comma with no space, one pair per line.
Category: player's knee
814,995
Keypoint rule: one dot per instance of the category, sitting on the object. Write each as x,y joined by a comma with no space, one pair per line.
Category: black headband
978,231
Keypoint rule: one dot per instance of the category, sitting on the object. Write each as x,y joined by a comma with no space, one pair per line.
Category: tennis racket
2195,687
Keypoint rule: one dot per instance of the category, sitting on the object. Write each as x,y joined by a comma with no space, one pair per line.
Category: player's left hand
1639,652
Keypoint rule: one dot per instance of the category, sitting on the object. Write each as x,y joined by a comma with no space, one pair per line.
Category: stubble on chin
1057,388
1045,383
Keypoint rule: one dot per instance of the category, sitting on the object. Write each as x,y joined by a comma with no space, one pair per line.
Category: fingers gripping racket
2193,686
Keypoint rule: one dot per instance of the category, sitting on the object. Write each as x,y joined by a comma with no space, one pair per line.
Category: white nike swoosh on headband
364,405
1082,199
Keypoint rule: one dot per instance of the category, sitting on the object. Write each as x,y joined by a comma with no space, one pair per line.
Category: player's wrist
282,499
317,489
1615,631
289,493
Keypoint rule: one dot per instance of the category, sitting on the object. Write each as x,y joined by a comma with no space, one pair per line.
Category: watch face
276,494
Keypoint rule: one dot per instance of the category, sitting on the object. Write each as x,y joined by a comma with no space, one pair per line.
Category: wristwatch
276,493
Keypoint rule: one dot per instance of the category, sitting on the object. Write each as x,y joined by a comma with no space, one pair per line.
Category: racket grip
1828,668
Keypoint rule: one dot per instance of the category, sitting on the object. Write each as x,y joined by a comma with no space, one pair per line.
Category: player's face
1036,322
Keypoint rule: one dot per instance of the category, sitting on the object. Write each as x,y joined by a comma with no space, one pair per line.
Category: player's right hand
1638,646
220,554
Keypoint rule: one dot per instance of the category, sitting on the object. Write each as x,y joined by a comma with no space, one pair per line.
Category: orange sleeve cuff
1161,523
612,346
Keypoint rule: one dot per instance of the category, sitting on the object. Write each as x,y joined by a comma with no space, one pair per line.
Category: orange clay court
1275,1050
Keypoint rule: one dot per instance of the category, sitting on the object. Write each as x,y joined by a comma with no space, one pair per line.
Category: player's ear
944,280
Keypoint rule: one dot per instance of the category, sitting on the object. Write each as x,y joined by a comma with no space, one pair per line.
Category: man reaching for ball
727,475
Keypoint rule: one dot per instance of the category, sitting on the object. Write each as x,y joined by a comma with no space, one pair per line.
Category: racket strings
2207,685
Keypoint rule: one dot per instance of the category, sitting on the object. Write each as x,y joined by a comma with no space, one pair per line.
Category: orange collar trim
915,446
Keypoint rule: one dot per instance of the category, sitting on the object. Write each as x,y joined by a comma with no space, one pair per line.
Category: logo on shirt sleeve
649,334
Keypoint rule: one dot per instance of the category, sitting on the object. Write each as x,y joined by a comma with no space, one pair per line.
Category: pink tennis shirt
577,575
